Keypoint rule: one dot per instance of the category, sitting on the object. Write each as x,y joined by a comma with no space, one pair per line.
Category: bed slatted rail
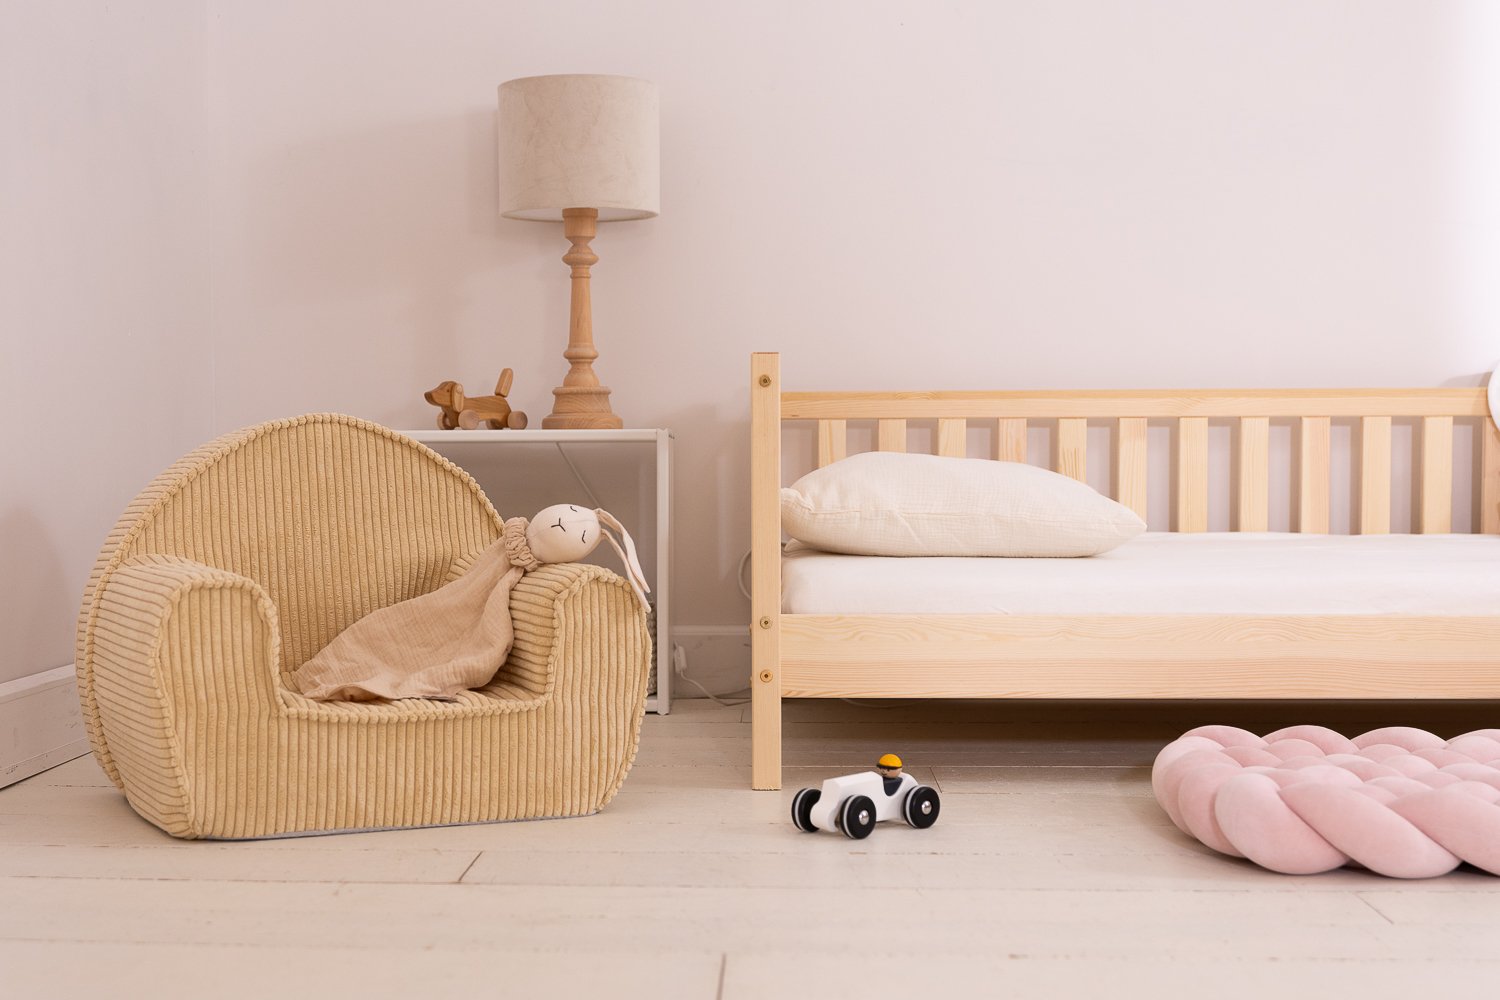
1007,414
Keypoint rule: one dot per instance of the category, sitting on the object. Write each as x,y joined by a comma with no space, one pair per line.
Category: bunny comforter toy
457,637
565,533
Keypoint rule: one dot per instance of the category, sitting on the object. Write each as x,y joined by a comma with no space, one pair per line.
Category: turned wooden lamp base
581,408
580,403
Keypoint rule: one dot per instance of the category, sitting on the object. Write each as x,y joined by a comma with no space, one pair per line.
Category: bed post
765,571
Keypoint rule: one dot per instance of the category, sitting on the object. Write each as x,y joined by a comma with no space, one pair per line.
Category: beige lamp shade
580,141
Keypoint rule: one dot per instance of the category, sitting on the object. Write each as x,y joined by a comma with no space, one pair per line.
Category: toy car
854,803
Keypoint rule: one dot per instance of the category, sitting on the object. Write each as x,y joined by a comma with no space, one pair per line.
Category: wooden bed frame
1123,656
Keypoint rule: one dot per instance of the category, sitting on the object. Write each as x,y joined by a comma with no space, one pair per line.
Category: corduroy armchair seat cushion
250,554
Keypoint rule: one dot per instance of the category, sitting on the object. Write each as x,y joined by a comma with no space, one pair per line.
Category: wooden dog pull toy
470,412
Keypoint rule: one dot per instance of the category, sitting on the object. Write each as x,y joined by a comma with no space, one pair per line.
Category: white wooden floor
1052,873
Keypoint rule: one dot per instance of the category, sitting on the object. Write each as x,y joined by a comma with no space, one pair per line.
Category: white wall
899,195
105,353
893,194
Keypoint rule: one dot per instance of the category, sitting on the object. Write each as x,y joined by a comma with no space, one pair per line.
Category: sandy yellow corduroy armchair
249,555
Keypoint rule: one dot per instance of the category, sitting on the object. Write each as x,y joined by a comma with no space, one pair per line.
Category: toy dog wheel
921,807
857,817
802,807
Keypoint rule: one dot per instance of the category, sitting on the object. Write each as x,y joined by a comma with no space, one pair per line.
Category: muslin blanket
433,646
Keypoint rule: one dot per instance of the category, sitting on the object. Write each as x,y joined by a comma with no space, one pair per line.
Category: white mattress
1168,573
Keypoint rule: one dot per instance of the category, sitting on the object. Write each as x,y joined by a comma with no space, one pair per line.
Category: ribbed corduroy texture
246,557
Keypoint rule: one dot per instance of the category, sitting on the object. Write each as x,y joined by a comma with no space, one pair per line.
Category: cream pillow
889,504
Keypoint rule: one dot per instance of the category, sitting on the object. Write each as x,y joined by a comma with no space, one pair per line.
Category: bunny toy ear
633,571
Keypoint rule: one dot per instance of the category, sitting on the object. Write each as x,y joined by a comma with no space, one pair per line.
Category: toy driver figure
889,769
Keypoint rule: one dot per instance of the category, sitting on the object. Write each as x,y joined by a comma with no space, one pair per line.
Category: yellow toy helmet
888,760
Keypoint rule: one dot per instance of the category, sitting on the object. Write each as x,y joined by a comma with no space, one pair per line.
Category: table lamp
582,149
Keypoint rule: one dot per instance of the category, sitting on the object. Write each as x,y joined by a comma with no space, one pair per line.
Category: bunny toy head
566,533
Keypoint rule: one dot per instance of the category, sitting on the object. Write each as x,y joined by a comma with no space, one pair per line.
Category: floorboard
1052,873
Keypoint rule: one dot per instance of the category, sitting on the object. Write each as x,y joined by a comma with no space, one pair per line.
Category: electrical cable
578,475
740,576
679,664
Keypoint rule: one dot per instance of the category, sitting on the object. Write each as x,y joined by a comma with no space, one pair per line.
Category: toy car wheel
921,807
802,807
857,817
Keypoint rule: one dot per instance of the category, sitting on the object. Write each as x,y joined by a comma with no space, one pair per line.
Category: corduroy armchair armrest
578,624
183,655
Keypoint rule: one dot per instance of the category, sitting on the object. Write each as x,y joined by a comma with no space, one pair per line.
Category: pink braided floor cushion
1401,802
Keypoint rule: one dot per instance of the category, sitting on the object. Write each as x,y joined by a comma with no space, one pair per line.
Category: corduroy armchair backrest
334,516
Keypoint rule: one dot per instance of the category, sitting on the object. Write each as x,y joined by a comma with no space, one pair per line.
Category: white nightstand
627,472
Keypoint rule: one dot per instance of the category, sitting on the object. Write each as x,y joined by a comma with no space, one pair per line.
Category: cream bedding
1168,573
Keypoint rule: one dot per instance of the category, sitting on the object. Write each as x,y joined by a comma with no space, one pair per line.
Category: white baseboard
718,657
40,725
